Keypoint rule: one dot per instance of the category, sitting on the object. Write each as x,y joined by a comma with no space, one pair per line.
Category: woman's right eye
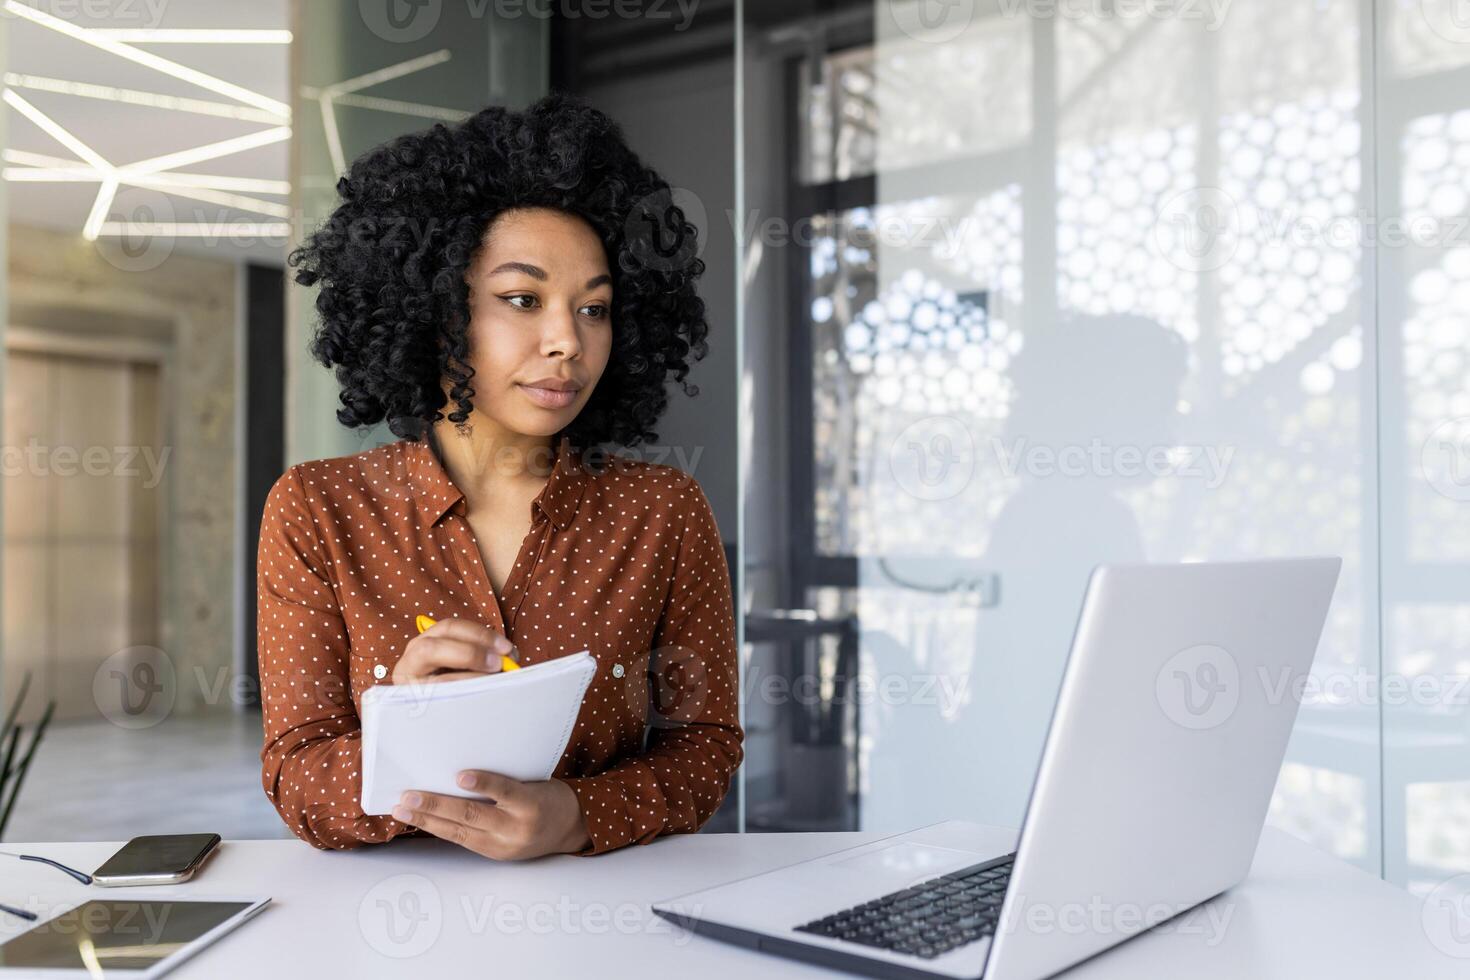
526,296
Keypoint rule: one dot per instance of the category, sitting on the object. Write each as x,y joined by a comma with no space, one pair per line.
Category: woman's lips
547,397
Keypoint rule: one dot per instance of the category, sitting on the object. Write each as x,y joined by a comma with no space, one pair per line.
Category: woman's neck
490,463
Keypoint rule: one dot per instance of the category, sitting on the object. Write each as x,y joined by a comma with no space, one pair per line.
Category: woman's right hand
452,650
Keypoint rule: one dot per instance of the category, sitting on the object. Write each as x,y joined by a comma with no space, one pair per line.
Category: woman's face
540,320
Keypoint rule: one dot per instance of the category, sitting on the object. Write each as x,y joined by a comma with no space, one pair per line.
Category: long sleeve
310,760
679,780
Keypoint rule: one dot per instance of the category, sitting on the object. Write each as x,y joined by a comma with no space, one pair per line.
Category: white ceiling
124,134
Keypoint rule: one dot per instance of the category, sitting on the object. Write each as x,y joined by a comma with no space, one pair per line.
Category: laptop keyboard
928,919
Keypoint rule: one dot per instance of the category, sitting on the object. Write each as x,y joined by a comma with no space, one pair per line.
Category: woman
504,293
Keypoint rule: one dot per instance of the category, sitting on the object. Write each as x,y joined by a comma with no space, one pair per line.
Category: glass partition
1423,276
365,73
1098,322
1034,287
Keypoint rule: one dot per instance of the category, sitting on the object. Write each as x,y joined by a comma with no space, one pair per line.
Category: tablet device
137,938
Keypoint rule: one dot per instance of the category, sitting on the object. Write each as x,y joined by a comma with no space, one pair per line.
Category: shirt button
617,670
380,671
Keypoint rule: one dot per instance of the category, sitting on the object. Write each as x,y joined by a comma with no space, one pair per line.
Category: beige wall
60,284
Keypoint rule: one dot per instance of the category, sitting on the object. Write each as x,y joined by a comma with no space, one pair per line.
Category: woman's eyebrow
536,272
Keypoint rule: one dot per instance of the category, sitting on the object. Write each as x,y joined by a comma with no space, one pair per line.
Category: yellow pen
424,622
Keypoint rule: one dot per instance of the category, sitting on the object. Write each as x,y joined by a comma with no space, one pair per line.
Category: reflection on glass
860,101
1424,304
1190,319
917,348
1162,236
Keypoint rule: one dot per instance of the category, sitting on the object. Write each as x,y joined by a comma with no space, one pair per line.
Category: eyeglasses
80,876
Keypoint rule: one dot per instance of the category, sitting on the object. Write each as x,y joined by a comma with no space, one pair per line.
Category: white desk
1302,914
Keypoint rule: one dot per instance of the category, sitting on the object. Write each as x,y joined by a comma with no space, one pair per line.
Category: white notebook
518,723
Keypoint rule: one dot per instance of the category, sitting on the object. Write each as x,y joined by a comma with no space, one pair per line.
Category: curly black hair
390,265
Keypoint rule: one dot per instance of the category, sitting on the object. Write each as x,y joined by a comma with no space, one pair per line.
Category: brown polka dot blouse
622,559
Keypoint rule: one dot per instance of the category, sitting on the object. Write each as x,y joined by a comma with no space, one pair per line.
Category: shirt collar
436,495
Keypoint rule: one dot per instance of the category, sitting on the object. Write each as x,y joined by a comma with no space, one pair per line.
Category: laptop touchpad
909,857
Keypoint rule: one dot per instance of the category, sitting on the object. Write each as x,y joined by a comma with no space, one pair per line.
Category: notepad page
420,736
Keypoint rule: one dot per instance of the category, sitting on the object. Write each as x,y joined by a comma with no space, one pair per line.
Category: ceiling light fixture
41,167
59,133
150,100
327,97
185,35
159,173
100,207
173,229
211,151
147,58
158,182
55,130
399,107
195,192
138,174
240,202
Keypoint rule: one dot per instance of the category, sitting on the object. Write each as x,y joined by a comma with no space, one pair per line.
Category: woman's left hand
517,819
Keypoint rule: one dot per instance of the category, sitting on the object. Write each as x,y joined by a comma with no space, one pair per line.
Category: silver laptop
1163,750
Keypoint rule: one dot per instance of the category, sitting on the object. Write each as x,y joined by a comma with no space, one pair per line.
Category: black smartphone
160,859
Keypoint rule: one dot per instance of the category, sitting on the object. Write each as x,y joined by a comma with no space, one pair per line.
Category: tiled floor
95,781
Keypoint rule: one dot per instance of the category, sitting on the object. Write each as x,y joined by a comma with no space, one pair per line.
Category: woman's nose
561,337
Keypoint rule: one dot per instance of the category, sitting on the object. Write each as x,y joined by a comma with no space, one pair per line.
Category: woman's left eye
601,310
